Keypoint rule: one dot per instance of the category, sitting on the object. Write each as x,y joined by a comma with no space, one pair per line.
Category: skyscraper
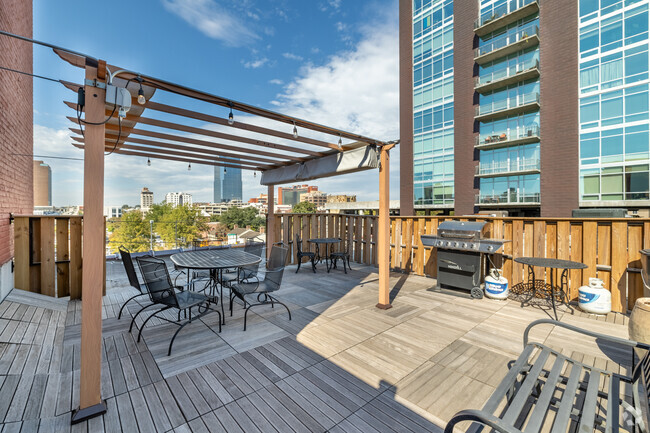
542,107
179,198
146,199
42,184
232,184
216,186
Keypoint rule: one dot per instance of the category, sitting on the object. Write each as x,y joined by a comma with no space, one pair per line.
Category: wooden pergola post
383,232
270,220
90,401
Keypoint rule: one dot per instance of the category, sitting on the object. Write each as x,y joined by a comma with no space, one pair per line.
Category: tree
132,232
173,223
242,217
304,207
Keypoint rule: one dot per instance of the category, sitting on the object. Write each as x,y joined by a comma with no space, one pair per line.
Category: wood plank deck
339,365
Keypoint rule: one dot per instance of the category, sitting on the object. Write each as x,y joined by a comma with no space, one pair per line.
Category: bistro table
553,264
326,242
215,261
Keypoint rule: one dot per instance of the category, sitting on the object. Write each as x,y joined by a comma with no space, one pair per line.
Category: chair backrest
273,276
642,384
156,280
254,248
129,268
298,244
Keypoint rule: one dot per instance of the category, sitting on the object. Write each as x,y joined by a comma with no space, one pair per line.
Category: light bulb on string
340,142
295,130
189,166
254,174
224,170
141,99
231,117
148,162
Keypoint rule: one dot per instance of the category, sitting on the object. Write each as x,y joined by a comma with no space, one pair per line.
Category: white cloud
276,81
254,64
292,56
213,20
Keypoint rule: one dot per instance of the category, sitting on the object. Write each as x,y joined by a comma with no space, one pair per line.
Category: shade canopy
350,161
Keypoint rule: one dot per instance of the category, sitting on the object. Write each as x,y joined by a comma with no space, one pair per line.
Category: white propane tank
594,298
496,285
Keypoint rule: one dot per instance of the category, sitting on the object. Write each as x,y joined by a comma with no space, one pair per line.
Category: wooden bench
545,390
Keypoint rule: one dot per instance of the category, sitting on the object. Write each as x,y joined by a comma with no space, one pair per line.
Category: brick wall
16,120
559,107
465,184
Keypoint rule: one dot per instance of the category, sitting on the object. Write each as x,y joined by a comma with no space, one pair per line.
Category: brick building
16,130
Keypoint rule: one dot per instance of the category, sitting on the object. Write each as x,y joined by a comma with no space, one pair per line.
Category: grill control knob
455,244
448,243
464,245
489,247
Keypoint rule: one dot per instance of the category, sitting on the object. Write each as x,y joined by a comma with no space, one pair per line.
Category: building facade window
433,103
614,100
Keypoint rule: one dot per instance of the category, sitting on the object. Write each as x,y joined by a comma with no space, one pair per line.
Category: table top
214,259
325,240
544,262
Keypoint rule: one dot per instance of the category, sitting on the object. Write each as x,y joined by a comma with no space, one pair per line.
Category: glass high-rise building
232,185
537,107
216,185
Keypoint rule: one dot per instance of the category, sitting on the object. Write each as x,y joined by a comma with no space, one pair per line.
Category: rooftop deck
339,365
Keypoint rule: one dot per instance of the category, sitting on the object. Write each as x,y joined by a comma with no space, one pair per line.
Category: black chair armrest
621,341
484,418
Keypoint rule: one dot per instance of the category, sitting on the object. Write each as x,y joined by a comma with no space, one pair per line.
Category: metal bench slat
508,380
613,404
588,412
526,388
542,404
566,404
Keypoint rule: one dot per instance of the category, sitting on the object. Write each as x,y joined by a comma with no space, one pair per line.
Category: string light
148,162
295,130
254,174
189,166
231,117
340,142
141,99
224,170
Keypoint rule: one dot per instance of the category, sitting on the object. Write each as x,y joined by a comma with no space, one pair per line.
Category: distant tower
217,185
232,185
42,184
146,199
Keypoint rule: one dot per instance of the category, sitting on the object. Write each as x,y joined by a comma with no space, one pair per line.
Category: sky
334,62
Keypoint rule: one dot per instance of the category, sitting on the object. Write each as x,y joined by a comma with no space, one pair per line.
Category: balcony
523,104
509,199
525,135
506,44
509,75
503,17
508,168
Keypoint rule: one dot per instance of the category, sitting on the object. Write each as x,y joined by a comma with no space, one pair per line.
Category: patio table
329,245
215,261
553,264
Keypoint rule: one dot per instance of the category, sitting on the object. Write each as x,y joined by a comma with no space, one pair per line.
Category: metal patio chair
343,255
127,261
163,293
310,254
263,289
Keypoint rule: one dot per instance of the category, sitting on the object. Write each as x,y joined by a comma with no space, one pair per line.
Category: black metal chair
127,261
246,273
344,255
310,254
162,292
263,289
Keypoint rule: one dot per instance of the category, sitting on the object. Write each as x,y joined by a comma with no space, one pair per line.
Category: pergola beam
111,147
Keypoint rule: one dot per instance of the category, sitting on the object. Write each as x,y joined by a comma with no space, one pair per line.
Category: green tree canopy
175,223
132,232
304,207
247,216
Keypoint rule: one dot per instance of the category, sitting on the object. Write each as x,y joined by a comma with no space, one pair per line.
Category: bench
545,390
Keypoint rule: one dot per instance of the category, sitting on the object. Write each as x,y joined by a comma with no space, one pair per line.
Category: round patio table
215,261
327,242
553,264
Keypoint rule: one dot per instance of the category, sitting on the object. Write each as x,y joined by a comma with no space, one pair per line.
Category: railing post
90,401
270,221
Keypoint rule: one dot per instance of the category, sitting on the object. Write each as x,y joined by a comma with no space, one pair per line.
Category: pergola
229,143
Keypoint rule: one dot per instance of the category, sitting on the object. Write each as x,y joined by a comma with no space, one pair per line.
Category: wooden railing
609,247
48,255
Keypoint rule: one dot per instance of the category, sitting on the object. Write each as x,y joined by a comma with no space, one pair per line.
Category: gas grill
461,247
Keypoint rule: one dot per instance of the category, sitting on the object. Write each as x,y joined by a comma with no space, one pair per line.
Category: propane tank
496,285
595,298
